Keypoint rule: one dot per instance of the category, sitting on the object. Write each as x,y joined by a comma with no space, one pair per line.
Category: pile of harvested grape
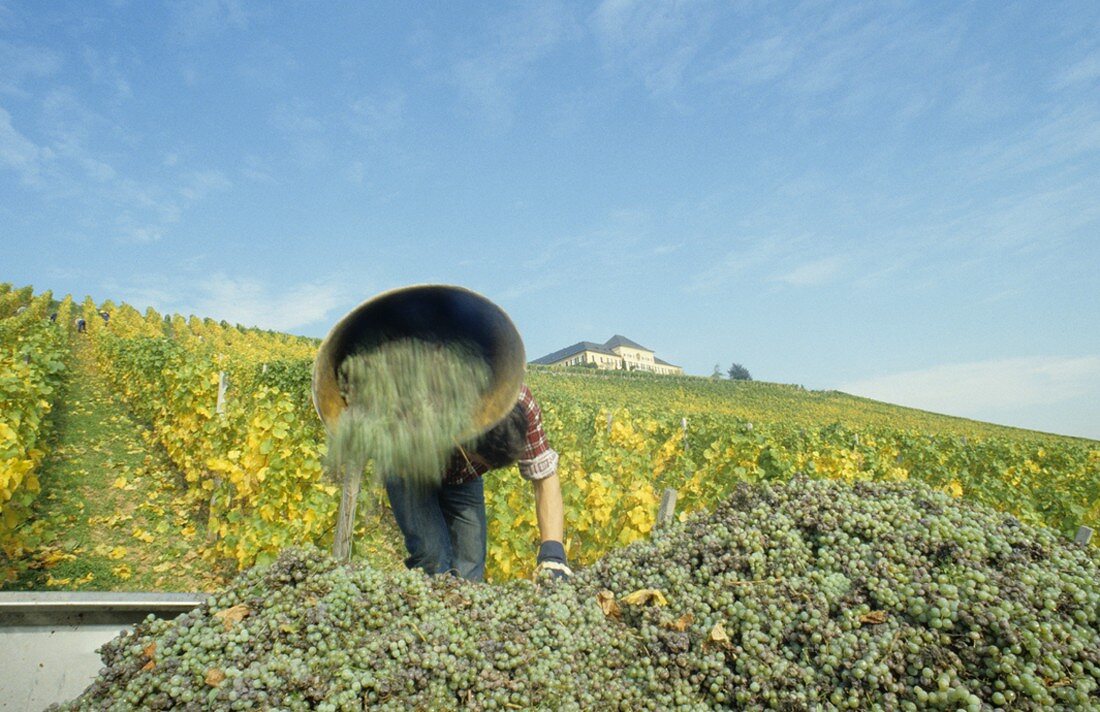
812,594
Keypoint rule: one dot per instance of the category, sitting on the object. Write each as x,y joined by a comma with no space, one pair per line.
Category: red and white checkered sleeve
539,460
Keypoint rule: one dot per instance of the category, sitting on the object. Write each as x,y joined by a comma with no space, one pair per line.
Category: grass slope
762,402
111,515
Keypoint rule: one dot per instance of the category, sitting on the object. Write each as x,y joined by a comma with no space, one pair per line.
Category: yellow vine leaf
718,636
608,604
645,596
231,616
143,535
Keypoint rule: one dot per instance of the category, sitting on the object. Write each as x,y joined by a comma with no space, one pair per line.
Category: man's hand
552,561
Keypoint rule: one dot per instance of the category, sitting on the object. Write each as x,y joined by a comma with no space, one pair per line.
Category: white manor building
618,352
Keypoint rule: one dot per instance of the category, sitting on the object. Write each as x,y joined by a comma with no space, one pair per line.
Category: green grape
829,596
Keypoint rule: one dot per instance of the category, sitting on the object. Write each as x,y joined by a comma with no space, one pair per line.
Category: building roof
574,349
618,340
664,363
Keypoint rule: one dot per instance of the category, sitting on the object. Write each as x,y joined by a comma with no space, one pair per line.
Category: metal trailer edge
49,639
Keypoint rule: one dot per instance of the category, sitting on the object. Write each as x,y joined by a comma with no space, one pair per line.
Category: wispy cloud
378,115
242,300
487,78
750,255
758,61
654,42
306,133
19,63
198,20
1084,71
138,234
19,153
1055,139
988,390
200,184
812,273
252,303
105,70
834,59
62,167
767,253
258,170
534,285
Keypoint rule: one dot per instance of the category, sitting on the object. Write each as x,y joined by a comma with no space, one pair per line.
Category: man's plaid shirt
537,462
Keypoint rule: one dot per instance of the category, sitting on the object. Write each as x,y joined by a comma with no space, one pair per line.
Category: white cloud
486,79
19,153
1084,71
105,70
252,303
241,300
197,20
1001,390
531,285
759,61
306,133
765,257
202,183
657,42
812,273
752,254
636,22
1067,136
356,172
258,170
295,119
377,116
19,63
140,235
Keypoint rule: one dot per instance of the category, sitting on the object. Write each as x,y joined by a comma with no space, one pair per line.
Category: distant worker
445,529
105,316
80,325
53,317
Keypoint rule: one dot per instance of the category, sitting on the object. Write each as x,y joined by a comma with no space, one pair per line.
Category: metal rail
48,640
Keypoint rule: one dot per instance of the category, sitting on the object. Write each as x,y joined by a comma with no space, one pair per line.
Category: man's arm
549,509
539,464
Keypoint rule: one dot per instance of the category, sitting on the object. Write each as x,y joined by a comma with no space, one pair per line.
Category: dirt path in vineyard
110,515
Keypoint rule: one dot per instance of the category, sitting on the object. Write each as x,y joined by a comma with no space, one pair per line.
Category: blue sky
893,199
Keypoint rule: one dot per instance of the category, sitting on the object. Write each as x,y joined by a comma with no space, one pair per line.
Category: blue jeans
444,528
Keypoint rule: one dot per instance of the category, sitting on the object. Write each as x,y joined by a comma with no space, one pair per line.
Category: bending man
445,529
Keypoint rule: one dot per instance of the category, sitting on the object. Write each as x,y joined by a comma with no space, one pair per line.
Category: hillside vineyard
258,465
832,551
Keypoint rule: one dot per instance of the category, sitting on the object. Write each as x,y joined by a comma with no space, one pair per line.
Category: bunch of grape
811,594
817,594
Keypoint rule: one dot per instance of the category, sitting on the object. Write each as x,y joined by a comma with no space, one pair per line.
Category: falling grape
410,404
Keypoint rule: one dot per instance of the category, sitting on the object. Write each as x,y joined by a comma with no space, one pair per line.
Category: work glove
551,561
